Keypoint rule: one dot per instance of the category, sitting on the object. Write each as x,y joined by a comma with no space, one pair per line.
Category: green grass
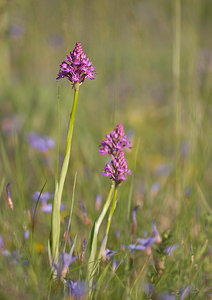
131,44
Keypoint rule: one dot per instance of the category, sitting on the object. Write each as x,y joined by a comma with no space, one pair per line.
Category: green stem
95,265
68,145
55,219
92,266
112,210
104,243
106,206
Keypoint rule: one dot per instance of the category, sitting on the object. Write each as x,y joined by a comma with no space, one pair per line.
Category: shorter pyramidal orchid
114,145
77,66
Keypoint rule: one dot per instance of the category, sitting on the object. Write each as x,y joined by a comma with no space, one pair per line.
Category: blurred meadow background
154,74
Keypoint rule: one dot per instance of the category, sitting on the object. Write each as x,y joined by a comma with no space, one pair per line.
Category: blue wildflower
77,289
9,199
156,233
85,217
145,244
98,202
155,189
184,292
44,197
1,242
134,226
170,248
62,266
26,234
148,288
168,296
42,143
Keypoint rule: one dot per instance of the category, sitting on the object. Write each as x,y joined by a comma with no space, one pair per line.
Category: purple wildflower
42,143
114,144
77,66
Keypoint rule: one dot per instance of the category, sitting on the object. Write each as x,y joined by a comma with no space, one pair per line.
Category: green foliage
131,46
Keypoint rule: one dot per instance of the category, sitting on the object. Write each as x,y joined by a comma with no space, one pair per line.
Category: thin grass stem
176,77
176,71
70,216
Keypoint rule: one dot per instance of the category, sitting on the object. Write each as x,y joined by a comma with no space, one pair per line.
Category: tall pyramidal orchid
117,171
76,68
